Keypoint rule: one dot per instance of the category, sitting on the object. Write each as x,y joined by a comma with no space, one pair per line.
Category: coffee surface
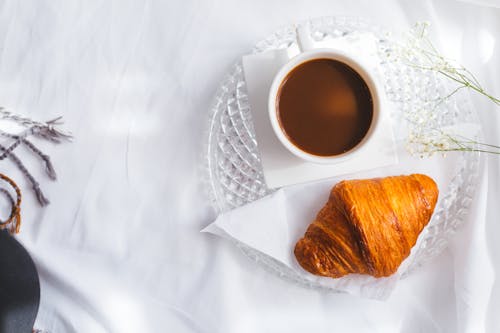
324,107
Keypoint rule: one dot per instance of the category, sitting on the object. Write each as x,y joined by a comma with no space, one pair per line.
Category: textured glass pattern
232,159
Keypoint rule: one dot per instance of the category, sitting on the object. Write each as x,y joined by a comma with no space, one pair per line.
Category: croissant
367,226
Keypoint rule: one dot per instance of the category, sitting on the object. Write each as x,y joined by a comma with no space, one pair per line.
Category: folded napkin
279,165
273,225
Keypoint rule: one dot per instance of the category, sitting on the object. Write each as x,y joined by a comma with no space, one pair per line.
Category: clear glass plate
232,160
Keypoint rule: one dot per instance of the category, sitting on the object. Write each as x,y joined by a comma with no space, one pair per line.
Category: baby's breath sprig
428,143
419,52
424,139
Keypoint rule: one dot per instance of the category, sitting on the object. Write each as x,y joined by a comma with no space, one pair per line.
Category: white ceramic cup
307,53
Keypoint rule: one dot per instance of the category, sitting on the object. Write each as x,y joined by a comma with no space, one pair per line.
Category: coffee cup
324,104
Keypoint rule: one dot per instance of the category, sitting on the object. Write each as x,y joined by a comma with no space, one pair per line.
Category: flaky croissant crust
367,226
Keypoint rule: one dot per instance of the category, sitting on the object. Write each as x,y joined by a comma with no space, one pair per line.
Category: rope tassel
42,199
49,168
34,184
46,130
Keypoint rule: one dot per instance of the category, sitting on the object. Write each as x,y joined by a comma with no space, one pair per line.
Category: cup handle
304,39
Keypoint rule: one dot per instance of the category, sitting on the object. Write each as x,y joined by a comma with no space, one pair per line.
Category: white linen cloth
119,248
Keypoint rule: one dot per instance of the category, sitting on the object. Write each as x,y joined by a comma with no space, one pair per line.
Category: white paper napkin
279,165
274,224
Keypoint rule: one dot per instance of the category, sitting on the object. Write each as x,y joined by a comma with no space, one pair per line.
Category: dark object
19,287
324,107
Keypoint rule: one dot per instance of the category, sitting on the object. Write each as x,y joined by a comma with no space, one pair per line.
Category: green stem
463,80
441,100
476,82
469,150
480,144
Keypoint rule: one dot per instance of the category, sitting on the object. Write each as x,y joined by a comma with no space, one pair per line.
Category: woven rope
13,222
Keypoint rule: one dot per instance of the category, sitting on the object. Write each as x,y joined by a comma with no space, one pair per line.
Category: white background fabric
119,248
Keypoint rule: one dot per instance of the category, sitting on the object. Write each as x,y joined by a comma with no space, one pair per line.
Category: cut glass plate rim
232,165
